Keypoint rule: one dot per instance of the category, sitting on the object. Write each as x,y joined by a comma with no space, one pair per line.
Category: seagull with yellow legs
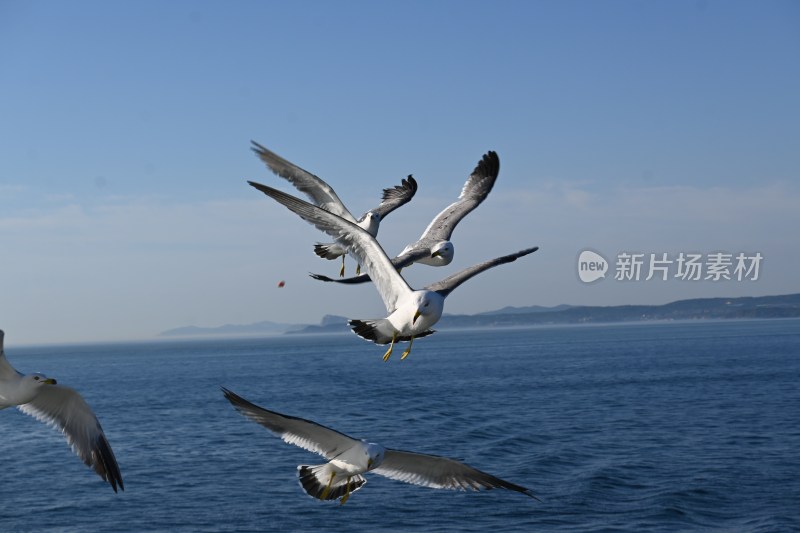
321,194
349,458
411,312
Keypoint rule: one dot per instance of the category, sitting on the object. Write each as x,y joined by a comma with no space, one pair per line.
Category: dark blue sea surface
656,427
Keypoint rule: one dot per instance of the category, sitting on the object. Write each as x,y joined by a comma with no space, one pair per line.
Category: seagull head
443,253
370,222
375,454
429,305
40,379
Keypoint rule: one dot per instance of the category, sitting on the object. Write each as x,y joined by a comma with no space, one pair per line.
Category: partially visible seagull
411,312
64,409
349,458
434,247
323,195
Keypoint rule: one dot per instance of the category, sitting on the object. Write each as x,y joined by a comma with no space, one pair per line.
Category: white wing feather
314,187
65,409
297,431
363,246
440,473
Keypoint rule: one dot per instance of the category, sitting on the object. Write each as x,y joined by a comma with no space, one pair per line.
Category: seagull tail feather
316,481
327,251
370,329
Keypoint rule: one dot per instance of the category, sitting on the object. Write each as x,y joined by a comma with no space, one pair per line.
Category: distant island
783,306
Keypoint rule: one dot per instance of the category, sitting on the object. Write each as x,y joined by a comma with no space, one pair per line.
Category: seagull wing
448,284
475,191
401,261
363,246
315,188
303,433
65,409
440,473
394,197
6,370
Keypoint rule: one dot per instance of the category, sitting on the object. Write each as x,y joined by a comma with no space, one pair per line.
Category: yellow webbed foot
391,347
408,350
358,270
346,494
327,489
341,272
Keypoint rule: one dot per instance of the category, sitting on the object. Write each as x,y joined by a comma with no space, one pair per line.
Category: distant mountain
509,310
784,306
258,328
329,324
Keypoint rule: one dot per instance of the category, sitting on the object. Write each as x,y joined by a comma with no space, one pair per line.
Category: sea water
641,427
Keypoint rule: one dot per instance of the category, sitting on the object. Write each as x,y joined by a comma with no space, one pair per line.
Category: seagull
349,458
434,247
323,195
411,312
62,408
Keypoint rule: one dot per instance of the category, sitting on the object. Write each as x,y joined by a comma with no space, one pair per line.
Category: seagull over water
64,409
411,312
349,458
323,195
434,247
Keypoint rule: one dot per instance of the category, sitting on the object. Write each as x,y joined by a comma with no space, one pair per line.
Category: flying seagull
323,195
434,247
62,408
349,458
411,312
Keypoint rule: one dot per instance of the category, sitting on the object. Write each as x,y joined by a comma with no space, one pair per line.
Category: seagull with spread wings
349,458
64,409
411,312
323,195
434,247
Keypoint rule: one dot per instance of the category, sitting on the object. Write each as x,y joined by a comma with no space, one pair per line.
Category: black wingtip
489,165
407,187
230,395
363,278
105,464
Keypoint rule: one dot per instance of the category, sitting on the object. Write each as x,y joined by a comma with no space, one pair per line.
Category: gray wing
440,473
65,409
6,370
363,246
396,196
319,192
401,261
446,286
475,191
303,433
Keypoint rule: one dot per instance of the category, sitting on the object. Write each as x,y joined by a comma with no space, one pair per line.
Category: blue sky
621,126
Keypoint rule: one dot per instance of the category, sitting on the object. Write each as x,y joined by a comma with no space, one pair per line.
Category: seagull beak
50,381
369,464
436,254
416,316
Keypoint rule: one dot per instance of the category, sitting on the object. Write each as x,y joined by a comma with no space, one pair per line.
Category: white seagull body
63,408
434,247
411,312
321,194
349,458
